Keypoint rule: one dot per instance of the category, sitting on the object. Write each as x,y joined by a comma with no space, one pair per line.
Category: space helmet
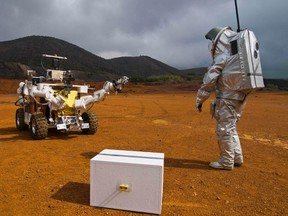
215,33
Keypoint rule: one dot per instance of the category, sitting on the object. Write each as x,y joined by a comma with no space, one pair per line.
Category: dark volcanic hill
18,55
28,51
141,66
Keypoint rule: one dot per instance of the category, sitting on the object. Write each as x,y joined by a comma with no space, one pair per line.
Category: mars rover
54,102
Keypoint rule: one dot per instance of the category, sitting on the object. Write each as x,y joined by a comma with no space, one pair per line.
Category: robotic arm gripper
99,95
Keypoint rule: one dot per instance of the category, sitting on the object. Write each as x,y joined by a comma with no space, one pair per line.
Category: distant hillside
27,52
141,66
194,73
13,70
18,56
281,84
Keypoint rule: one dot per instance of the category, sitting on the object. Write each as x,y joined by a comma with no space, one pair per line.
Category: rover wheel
20,124
38,126
91,118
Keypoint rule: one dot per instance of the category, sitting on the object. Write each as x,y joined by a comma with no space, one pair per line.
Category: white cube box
127,180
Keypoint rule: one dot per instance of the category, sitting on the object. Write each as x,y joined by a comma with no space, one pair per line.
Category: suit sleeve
209,82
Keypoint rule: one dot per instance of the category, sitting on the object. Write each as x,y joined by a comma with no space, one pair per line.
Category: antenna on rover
237,16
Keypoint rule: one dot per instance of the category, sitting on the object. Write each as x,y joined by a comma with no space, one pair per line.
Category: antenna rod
237,16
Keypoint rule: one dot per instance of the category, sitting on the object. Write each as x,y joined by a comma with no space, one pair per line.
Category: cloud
168,30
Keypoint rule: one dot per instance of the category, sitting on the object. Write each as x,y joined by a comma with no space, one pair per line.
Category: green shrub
272,86
157,78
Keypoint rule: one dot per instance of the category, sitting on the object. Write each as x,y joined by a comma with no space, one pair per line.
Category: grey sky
171,31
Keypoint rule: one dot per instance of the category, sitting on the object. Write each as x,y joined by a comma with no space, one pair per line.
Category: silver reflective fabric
229,102
214,79
227,113
242,71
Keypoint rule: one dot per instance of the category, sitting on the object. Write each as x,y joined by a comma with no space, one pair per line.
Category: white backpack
244,66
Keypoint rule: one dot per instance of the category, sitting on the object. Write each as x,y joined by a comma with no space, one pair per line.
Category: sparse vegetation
272,86
157,78
192,76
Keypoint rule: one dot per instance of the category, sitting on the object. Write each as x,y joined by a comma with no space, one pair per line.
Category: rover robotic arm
57,101
41,90
109,86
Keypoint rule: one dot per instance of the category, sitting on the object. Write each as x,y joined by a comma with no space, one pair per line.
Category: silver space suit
228,105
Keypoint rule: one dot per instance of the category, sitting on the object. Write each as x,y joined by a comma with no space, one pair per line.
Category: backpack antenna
237,16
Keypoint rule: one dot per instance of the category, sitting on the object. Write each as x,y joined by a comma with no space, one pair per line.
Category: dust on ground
52,176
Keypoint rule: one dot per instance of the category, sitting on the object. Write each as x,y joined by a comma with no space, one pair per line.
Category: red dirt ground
51,176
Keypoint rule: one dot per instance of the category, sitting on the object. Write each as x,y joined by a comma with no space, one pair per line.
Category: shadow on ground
74,192
185,163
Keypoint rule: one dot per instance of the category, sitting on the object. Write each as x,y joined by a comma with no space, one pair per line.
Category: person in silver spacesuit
229,103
